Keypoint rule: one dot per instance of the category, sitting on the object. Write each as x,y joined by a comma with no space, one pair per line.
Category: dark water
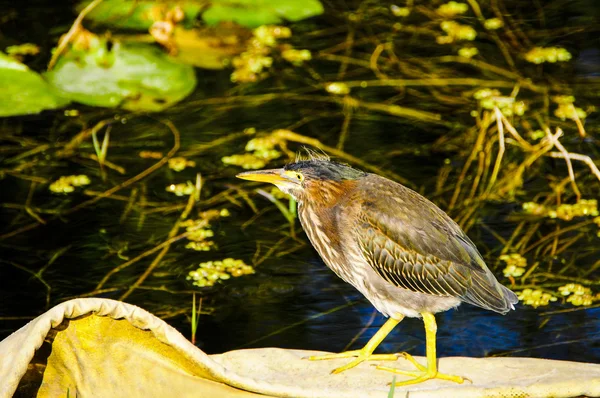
289,301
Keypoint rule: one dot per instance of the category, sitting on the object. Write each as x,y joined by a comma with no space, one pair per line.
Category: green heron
401,251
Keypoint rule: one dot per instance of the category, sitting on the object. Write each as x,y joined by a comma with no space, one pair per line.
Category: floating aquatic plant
584,208
535,298
260,151
337,88
181,189
493,23
399,11
568,111
199,231
492,98
133,76
566,108
515,264
142,14
210,272
246,160
539,55
577,294
150,155
19,50
268,35
250,65
468,52
202,246
253,13
24,92
180,163
67,184
456,32
452,9
296,57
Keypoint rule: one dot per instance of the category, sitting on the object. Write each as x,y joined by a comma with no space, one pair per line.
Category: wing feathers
419,248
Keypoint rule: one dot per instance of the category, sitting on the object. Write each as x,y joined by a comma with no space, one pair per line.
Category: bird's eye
295,175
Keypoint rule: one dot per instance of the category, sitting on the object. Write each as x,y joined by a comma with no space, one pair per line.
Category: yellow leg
365,353
429,372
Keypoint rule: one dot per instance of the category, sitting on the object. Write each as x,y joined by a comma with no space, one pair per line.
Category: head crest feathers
312,155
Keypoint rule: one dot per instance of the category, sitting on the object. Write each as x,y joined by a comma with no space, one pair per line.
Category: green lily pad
134,76
141,14
23,91
254,13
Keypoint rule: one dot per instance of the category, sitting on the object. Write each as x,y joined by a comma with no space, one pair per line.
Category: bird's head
315,179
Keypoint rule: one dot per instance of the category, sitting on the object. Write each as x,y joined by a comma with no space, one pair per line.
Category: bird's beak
273,176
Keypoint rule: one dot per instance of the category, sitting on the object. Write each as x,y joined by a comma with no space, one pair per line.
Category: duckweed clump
296,57
493,23
264,147
199,230
577,294
492,98
252,65
540,55
515,264
535,298
569,111
337,88
399,11
180,163
584,208
182,189
566,108
260,151
456,32
210,272
452,9
468,52
67,184
150,155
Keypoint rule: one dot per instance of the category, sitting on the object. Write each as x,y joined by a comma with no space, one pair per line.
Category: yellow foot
360,355
412,360
421,376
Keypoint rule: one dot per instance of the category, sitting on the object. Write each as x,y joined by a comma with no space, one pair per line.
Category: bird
397,248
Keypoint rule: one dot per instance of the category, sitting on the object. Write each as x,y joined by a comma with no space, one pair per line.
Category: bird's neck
326,194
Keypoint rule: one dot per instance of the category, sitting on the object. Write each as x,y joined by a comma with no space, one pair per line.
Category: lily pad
254,13
141,14
133,76
23,91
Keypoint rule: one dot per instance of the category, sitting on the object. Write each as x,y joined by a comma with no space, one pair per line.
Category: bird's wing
414,245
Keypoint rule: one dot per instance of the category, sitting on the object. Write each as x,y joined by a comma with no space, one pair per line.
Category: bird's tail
486,292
